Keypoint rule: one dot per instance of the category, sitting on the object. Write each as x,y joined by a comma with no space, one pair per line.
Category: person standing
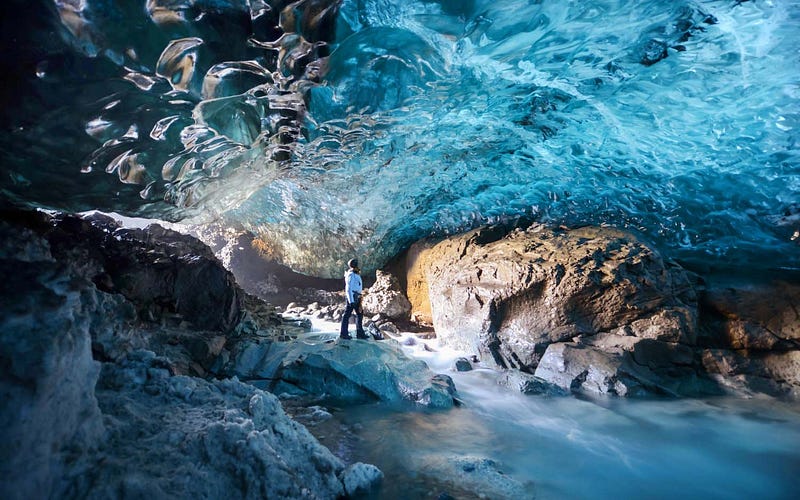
352,290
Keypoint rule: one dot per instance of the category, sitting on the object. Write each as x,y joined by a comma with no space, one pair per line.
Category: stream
503,444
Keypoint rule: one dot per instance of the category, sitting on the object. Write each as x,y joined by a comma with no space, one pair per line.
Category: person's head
353,263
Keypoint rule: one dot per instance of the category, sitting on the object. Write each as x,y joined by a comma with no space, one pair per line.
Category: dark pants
359,320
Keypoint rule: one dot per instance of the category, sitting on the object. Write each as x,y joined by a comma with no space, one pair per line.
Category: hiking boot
345,337
361,336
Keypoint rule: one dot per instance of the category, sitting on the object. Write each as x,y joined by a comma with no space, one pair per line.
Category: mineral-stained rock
509,296
356,371
386,297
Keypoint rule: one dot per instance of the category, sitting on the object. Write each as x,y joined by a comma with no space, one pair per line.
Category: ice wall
331,129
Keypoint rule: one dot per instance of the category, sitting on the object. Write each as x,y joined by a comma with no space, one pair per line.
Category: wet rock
530,384
582,369
389,328
509,296
624,366
360,479
473,476
462,365
353,371
386,297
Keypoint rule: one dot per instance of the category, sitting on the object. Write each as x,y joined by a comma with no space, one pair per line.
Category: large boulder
386,297
353,371
509,296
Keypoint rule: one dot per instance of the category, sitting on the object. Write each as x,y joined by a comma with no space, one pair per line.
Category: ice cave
577,224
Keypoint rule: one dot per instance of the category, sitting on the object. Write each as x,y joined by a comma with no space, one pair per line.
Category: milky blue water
559,448
356,127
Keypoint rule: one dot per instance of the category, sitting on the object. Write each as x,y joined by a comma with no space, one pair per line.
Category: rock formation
750,335
596,310
386,297
90,410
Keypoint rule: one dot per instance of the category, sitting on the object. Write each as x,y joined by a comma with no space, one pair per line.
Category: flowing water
569,447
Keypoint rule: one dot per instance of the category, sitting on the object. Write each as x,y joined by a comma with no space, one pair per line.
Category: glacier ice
333,128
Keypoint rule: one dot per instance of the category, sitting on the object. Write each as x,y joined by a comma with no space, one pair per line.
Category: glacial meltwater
501,443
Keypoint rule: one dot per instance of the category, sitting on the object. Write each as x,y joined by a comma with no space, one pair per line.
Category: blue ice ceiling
332,129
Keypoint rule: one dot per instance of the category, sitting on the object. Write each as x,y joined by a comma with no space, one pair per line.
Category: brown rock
752,316
386,297
743,372
512,295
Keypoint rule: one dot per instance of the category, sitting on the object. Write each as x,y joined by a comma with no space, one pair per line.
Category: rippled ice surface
572,448
355,127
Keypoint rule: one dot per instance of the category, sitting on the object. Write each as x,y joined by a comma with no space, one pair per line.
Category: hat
352,263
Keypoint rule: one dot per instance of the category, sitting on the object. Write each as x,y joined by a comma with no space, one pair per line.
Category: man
352,291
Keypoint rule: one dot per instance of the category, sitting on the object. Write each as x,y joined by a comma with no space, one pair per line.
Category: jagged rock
184,437
509,296
164,274
137,430
386,297
624,366
584,369
355,371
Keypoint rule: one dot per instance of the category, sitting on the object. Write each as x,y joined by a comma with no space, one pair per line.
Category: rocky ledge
596,310
354,371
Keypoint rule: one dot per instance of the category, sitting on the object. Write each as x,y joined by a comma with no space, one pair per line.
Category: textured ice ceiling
334,129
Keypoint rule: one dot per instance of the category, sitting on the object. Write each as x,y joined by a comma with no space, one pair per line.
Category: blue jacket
352,285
